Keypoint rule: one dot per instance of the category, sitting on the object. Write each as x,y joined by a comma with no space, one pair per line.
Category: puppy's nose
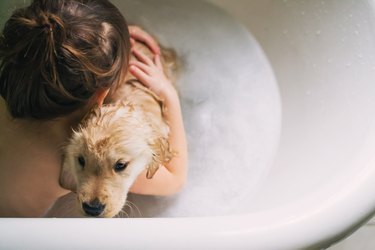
93,208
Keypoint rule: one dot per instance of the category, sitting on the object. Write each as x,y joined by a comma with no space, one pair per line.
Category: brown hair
55,54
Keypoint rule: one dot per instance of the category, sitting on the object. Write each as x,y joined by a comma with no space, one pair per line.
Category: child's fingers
145,68
140,75
142,57
132,42
157,62
140,35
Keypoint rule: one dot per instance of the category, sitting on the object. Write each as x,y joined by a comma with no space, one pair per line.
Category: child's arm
170,178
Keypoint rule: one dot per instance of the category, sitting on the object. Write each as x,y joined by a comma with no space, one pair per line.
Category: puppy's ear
151,169
161,154
67,179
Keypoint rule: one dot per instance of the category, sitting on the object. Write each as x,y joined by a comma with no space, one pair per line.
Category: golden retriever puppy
115,143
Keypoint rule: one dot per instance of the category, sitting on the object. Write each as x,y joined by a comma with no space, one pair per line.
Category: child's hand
150,73
138,34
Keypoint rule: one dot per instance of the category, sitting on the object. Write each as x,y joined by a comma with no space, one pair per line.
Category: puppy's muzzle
93,208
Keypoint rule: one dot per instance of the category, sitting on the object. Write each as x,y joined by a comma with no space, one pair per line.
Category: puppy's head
106,155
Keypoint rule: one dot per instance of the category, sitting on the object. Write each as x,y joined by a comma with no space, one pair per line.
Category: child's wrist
170,95
170,101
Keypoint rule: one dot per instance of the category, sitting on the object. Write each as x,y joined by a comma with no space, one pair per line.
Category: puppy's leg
64,207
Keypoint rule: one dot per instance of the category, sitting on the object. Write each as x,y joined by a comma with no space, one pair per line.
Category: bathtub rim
289,227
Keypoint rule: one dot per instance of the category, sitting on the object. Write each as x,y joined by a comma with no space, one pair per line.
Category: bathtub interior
304,183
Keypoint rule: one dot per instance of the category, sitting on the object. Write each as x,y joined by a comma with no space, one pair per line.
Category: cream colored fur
130,129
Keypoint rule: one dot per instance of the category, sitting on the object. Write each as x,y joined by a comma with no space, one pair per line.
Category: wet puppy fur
116,143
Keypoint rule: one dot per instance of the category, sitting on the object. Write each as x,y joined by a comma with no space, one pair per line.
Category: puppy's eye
81,161
120,166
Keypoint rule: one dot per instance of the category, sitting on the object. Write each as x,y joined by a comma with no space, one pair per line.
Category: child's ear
100,96
161,154
67,179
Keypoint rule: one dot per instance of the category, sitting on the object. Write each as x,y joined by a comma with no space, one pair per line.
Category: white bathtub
319,187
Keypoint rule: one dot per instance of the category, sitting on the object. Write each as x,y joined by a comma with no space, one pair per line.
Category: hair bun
51,25
44,13
47,25
55,54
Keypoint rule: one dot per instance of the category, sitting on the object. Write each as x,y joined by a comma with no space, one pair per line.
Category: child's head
56,54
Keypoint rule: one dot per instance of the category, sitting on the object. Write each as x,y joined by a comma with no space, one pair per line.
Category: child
59,58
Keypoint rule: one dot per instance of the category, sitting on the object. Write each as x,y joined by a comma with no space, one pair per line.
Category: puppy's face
105,156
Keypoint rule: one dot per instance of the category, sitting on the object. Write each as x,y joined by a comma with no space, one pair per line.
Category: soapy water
230,104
